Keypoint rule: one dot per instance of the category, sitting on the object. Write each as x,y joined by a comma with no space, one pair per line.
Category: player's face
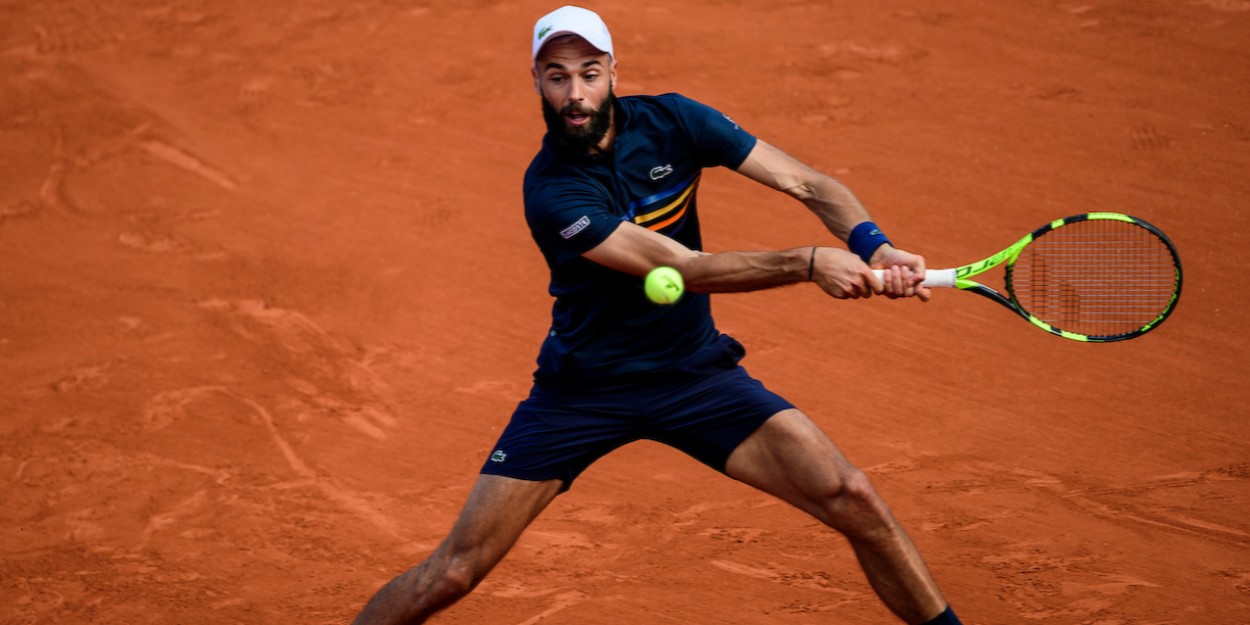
575,81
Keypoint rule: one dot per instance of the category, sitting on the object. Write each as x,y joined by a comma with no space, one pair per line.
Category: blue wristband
865,239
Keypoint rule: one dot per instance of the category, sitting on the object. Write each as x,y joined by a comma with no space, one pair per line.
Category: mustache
576,107
578,139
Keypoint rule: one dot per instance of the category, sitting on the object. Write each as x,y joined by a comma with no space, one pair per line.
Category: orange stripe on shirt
675,204
663,224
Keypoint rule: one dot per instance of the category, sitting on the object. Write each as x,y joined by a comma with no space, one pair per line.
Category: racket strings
1095,277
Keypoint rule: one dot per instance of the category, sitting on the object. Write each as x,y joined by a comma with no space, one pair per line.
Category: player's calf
421,591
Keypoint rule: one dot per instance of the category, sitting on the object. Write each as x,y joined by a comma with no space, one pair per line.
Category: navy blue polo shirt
603,326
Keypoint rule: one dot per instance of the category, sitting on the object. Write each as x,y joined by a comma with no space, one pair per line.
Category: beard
579,139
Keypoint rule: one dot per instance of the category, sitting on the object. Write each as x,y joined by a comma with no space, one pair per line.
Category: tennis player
611,195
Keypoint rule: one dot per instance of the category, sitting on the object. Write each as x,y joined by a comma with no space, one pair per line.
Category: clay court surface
267,298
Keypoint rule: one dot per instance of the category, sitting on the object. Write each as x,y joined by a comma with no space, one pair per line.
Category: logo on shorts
661,171
498,456
577,226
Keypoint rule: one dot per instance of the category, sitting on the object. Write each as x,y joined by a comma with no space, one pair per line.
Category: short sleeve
717,140
568,220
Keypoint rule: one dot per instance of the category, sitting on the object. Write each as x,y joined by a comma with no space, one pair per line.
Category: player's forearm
838,209
730,272
832,202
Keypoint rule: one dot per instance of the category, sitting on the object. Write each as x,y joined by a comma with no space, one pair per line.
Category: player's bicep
772,167
567,221
636,250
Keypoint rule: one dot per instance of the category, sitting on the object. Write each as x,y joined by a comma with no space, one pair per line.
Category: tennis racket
1096,277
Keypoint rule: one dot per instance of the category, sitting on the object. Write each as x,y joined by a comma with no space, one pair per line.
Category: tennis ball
664,285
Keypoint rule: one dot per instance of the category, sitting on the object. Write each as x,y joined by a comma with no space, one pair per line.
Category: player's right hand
843,275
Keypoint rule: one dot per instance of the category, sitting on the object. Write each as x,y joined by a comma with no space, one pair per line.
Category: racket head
1096,277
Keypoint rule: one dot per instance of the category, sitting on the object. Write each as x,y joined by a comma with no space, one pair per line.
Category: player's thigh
791,458
497,512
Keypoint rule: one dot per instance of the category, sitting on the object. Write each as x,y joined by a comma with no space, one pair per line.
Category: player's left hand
903,272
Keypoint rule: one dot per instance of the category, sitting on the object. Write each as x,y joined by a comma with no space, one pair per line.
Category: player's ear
612,70
537,87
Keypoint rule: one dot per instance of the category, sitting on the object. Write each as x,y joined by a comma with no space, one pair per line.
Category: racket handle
932,277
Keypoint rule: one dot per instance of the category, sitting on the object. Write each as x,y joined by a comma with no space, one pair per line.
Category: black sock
947,617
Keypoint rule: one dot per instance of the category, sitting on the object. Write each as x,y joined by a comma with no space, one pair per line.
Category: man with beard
612,195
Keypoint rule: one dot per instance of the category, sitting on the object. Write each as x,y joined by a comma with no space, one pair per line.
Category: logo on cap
543,33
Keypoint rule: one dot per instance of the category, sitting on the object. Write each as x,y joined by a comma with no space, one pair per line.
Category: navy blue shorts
558,432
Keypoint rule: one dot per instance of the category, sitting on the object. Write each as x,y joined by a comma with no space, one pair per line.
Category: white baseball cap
571,20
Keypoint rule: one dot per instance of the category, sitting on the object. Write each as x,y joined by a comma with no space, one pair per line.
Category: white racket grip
932,277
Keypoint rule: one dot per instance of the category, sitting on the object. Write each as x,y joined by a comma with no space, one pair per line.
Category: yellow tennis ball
664,285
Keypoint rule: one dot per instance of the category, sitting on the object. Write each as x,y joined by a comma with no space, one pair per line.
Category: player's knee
459,578
853,489
853,505
437,583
